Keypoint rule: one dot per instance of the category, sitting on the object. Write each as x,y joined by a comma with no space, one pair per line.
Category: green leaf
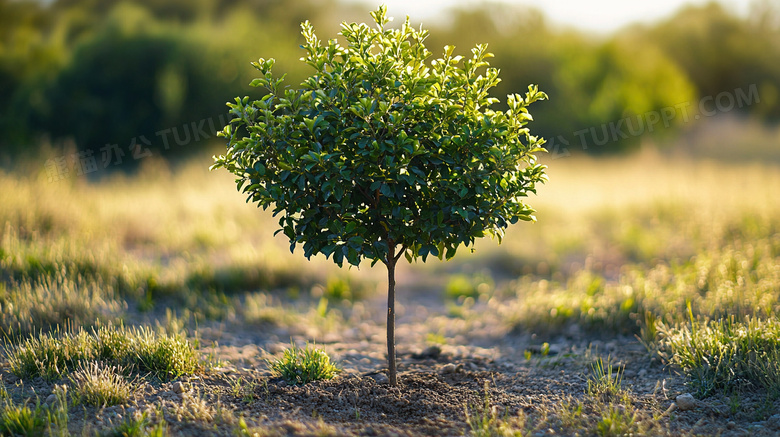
386,190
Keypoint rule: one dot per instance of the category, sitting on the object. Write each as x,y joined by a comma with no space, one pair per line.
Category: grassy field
116,287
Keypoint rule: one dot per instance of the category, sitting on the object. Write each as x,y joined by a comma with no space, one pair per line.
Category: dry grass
55,355
184,236
623,245
99,385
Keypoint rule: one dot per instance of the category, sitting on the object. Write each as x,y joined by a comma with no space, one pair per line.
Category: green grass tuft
23,420
616,421
167,357
54,355
606,382
137,427
484,420
99,385
303,365
726,354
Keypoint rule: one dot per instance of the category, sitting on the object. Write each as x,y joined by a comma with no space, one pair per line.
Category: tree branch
400,253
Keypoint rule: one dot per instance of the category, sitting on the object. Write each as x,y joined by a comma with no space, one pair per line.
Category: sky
600,16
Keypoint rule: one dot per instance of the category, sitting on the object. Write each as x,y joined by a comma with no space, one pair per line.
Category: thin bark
391,262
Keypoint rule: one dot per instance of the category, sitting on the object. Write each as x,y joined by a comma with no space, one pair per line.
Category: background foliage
96,73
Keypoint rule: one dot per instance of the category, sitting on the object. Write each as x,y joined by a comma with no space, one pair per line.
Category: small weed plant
484,420
58,413
606,381
243,388
594,416
167,357
571,415
303,365
138,427
616,415
616,420
23,419
100,385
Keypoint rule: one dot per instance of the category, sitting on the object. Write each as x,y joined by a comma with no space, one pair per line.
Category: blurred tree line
152,76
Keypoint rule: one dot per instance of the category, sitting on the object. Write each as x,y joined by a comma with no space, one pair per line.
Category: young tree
382,155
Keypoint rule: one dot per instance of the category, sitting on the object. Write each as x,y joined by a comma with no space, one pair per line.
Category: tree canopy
380,149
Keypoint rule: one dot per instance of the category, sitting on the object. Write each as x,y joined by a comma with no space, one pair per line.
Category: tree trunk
391,316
